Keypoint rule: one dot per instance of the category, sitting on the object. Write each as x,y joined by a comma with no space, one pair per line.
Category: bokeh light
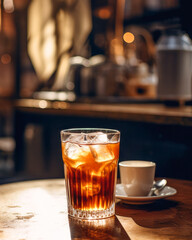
128,37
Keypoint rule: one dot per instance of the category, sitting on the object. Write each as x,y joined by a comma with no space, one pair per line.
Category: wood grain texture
38,210
165,219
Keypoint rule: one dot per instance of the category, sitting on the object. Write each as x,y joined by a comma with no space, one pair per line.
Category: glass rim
133,164
89,135
89,131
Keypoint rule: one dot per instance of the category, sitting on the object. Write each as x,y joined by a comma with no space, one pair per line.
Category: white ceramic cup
137,177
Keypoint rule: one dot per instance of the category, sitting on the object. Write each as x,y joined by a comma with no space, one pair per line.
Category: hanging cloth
57,30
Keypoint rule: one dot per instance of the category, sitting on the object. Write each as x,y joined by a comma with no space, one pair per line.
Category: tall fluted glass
90,159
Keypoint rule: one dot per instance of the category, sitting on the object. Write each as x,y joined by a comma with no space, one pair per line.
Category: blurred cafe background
123,64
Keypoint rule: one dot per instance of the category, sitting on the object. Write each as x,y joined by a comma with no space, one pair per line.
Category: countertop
145,112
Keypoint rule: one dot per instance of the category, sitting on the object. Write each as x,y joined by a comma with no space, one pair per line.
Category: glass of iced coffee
90,159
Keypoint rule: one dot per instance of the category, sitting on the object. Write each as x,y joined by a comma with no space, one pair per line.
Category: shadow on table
155,215
105,229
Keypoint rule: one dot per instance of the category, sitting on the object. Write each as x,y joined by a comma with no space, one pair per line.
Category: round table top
38,210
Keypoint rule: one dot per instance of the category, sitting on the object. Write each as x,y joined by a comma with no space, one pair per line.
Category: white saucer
120,194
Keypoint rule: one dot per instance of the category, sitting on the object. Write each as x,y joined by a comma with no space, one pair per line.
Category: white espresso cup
137,177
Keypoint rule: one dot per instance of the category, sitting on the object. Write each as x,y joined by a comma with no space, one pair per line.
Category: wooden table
37,210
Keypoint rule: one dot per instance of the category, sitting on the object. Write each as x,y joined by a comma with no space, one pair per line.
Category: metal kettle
174,66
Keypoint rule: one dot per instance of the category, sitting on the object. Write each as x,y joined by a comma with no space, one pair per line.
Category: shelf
151,113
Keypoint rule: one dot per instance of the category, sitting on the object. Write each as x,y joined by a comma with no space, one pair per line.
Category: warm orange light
6,58
103,13
128,37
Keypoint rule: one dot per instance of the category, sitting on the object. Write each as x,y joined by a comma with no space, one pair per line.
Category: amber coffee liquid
90,170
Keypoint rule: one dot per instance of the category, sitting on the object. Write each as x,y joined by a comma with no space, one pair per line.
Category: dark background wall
38,153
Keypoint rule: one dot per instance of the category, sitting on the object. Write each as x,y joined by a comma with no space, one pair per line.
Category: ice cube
76,152
113,138
77,138
97,137
102,152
